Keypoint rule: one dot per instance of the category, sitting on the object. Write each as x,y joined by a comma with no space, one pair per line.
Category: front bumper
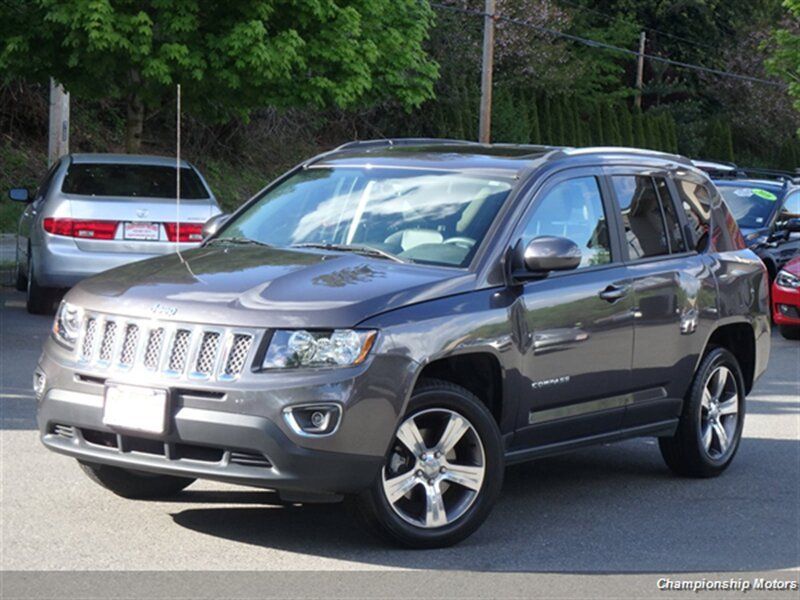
785,305
235,431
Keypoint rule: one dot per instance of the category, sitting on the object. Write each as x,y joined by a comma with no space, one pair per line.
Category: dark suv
396,321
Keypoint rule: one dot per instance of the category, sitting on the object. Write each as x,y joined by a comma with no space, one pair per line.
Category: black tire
21,281
133,484
685,453
39,300
372,508
790,332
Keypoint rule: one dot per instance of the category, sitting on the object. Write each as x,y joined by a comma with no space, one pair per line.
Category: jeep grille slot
238,354
207,355
180,348
178,351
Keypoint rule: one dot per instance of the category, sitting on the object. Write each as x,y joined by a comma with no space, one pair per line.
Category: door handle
613,293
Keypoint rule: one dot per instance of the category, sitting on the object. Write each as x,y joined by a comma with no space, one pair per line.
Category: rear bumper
785,305
58,262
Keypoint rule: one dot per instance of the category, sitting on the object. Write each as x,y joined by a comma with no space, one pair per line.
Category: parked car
786,300
395,321
93,212
763,208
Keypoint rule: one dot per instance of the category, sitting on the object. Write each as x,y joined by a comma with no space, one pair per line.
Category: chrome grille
152,351
208,353
237,355
109,337
179,351
88,338
129,345
180,348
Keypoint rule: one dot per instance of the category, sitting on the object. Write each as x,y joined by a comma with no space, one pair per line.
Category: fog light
313,419
39,384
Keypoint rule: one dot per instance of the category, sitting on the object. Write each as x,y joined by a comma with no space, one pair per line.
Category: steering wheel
463,242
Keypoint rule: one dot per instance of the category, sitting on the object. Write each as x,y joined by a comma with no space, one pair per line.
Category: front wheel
790,332
443,472
710,426
135,484
39,300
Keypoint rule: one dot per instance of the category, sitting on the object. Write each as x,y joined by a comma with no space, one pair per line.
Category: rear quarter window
134,181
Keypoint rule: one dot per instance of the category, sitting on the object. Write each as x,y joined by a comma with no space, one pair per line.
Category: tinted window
645,234
142,181
574,209
695,200
676,243
751,206
792,206
435,217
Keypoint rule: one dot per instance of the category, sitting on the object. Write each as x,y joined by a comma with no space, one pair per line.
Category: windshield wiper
357,248
242,241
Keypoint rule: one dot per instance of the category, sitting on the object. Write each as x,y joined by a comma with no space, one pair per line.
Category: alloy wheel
436,468
719,413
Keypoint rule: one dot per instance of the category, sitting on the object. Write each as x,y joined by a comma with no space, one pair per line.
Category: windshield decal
765,195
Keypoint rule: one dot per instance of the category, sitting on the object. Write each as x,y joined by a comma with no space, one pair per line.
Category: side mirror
544,254
792,225
214,224
19,195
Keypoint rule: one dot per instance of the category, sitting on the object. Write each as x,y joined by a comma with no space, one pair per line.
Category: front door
579,326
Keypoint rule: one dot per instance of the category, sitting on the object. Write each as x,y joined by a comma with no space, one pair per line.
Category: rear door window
674,235
642,217
135,181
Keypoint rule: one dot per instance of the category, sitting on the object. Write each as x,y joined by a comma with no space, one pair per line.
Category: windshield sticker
759,220
743,192
765,195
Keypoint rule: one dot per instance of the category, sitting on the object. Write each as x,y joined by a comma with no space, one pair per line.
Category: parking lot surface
609,509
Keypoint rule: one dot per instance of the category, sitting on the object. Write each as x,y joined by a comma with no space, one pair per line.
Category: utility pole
58,134
640,70
487,64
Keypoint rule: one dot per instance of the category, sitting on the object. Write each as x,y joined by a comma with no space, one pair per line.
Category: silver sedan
93,212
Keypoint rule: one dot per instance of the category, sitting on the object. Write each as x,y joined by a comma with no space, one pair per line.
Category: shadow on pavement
610,509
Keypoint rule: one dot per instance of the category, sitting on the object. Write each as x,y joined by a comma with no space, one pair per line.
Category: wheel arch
740,340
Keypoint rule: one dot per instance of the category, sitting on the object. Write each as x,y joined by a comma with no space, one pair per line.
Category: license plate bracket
135,408
141,232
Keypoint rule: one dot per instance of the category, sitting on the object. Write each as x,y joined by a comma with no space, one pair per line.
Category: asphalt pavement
610,510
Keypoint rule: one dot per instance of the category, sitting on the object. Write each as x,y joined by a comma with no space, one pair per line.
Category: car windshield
134,181
432,217
750,206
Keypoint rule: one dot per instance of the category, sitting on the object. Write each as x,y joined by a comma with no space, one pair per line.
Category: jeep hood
254,286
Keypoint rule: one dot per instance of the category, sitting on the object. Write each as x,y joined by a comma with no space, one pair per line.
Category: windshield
129,180
431,217
750,206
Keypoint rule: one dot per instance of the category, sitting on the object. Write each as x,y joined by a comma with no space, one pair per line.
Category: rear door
578,324
667,277
139,204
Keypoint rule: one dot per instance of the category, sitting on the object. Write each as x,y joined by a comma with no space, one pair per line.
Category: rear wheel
790,332
39,300
135,484
21,281
711,424
443,473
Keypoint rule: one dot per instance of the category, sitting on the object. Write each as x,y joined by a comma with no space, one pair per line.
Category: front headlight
300,348
787,280
67,325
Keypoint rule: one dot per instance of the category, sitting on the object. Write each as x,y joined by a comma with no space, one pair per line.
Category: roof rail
779,174
625,150
388,142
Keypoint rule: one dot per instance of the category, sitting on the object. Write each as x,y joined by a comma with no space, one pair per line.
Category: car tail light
189,232
78,228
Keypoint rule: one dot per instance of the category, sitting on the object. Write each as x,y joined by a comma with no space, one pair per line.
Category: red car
786,299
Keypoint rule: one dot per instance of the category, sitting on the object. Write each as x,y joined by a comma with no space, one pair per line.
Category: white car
93,212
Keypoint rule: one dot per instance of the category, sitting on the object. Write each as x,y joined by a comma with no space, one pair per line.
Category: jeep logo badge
163,310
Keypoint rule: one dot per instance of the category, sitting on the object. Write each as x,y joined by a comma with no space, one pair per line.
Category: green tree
625,126
229,57
598,127
611,126
639,137
545,120
557,114
785,61
534,134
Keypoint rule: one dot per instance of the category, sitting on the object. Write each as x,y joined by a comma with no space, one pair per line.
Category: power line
597,44
652,29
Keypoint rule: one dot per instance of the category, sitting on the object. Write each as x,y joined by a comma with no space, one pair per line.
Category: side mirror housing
214,224
19,195
544,254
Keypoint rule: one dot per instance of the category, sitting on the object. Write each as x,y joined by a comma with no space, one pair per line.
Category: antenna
178,177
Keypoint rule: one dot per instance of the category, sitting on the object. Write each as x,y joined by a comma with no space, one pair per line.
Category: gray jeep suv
395,321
